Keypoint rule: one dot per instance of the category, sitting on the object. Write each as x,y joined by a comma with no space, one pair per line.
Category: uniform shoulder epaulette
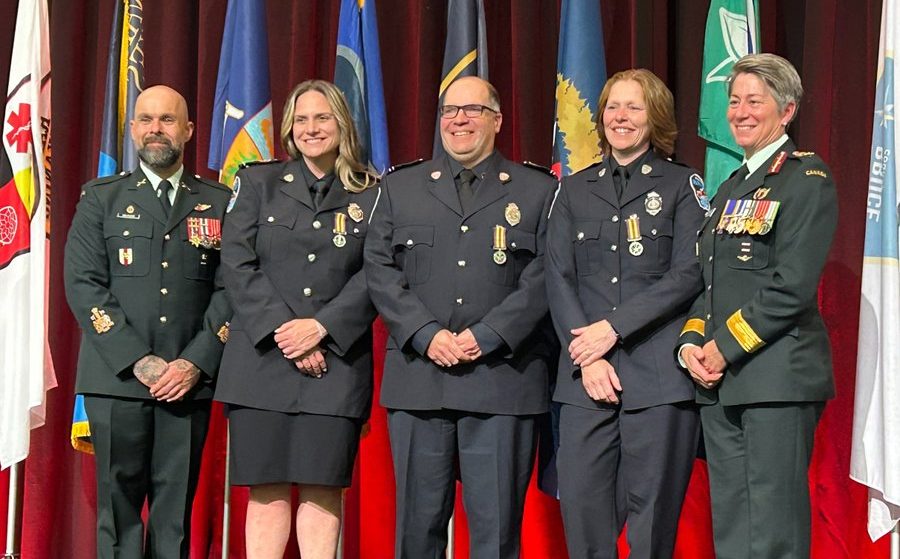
246,164
212,183
108,179
538,167
399,166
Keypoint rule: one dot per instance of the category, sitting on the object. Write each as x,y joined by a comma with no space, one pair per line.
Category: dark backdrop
833,43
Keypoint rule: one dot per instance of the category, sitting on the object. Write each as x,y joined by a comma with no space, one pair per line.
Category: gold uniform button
164,264
164,291
270,219
307,292
461,263
167,237
311,257
317,224
163,319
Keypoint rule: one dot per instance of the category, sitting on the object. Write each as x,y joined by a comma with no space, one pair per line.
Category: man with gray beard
141,279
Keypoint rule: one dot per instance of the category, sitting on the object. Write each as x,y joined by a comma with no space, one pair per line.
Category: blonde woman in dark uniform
297,369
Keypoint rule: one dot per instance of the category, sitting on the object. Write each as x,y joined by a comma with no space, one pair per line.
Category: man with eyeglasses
454,263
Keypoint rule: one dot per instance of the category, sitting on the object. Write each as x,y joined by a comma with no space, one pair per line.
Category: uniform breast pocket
746,252
200,263
348,256
589,247
521,249
128,246
413,244
274,235
657,242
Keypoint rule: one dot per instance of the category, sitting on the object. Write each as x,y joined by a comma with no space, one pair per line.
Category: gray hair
778,74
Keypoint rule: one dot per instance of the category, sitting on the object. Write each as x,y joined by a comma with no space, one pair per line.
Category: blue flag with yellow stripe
124,82
357,72
242,110
465,51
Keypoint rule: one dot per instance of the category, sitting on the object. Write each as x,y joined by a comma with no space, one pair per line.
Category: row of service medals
633,232
754,217
340,223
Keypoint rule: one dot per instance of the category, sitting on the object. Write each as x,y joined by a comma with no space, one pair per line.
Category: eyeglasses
471,111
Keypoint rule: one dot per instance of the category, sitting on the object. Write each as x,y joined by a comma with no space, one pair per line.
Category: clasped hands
298,341
706,365
447,349
168,382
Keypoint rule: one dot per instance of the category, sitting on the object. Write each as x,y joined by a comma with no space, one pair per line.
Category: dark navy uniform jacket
592,275
139,283
760,303
280,262
428,261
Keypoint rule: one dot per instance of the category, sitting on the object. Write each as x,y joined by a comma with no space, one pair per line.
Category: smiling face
469,140
160,129
625,122
316,132
753,114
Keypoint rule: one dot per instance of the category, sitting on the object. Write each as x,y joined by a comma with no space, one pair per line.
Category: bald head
161,128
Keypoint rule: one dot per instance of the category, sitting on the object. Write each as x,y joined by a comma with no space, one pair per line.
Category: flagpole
895,542
226,492
13,512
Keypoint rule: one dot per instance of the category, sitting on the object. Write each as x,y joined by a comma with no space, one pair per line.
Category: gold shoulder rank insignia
816,172
804,153
222,334
101,321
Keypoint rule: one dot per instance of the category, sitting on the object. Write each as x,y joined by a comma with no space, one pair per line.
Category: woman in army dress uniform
621,274
754,341
297,368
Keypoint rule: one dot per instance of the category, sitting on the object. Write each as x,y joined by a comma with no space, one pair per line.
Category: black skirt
275,447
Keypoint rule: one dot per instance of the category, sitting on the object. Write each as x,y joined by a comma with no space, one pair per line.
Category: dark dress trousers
630,461
760,306
281,262
430,264
140,283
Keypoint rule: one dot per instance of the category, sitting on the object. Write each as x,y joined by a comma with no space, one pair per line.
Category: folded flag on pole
465,51
357,72
242,128
27,372
124,82
732,32
875,452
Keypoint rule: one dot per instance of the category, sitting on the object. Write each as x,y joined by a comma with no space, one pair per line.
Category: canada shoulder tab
539,167
246,164
399,166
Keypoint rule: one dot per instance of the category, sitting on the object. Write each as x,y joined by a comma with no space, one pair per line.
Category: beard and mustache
160,156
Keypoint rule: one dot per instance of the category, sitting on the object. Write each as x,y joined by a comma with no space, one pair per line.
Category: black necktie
320,189
163,192
464,187
620,180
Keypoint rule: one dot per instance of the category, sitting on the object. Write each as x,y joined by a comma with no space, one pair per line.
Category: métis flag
732,31
124,82
27,372
580,76
357,72
875,452
242,112
465,52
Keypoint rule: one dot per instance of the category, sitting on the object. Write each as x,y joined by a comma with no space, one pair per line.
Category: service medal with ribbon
633,232
205,232
499,245
340,229
126,256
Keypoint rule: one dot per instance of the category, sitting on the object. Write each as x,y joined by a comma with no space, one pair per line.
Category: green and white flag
732,31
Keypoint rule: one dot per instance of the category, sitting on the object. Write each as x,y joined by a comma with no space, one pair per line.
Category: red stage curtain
182,49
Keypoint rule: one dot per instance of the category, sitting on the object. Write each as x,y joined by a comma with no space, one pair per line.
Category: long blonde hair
356,175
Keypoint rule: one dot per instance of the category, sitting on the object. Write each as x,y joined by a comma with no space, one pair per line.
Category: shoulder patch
399,166
246,164
699,189
816,172
235,190
539,167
